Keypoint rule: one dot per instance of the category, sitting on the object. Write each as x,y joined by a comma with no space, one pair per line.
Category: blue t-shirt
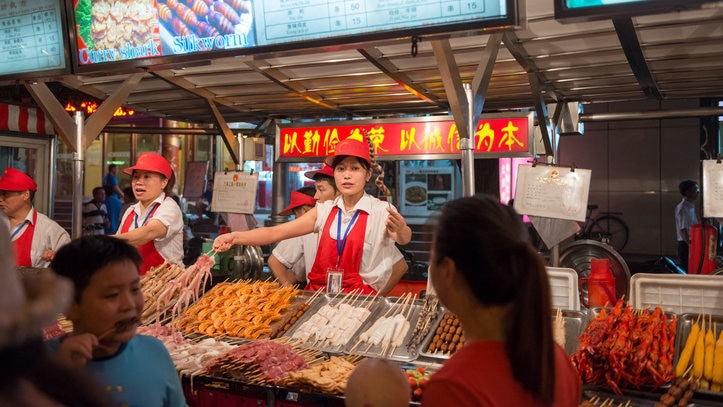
110,181
141,374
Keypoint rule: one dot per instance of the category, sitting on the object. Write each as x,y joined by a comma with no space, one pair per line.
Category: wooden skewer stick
372,301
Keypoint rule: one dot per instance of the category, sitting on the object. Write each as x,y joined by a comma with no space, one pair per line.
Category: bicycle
606,227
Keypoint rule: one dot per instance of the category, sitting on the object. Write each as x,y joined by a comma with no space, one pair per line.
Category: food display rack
683,296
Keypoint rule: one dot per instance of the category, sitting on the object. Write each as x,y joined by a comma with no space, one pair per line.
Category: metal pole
240,142
78,158
466,146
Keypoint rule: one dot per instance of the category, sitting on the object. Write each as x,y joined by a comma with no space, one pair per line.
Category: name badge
334,277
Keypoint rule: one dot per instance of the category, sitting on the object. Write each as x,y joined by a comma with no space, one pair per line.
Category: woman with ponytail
484,270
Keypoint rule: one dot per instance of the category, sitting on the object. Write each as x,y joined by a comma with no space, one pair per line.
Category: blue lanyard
148,215
19,228
341,241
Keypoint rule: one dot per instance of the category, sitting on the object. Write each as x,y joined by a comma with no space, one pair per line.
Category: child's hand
76,350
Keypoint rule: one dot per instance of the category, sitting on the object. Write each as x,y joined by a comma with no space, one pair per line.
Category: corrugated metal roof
683,54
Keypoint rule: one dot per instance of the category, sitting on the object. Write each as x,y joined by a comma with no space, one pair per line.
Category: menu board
234,192
552,192
712,189
128,30
282,21
584,10
32,37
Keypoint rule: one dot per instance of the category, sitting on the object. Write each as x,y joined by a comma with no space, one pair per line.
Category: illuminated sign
91,107
495,136
145,30
32,41
584,10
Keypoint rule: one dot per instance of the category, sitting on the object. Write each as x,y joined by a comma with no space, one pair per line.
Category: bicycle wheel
611,230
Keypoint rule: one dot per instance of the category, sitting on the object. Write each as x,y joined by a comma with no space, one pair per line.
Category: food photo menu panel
143,30
425,189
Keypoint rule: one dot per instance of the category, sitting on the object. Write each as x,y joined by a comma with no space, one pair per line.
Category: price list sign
712,189
552,192
32,37
280,21
234,192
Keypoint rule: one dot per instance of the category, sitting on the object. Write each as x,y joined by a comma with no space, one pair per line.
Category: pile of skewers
702,355
389,331
449,336
260,362
335,323
428,313
240,309
327,376
170,286
597,401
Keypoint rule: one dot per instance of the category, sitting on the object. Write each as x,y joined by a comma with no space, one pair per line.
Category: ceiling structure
665,56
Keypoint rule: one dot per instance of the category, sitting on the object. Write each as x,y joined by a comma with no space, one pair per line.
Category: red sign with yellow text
495,137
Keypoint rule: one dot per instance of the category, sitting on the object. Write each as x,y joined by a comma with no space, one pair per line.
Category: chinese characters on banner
507,135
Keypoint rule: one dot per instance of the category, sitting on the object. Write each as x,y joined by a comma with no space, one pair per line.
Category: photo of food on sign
113,30
120,30
188,26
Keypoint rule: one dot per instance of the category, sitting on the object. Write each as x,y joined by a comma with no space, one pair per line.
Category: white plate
415,185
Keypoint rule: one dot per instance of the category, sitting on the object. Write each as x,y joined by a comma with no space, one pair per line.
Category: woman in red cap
154,224
358,232
35,236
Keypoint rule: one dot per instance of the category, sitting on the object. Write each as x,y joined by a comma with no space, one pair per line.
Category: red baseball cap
350,146
297,199
325,170
151,162
16,180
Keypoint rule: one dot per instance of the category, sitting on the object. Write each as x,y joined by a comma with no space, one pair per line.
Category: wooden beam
63,123
229,139
96,121
452,85
483,75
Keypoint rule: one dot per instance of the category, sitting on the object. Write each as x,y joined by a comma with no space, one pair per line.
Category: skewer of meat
430,308
120,326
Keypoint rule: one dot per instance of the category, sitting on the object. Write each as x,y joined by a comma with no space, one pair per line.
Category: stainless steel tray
369,302
389,307
303,297
575,322
685,323
424,347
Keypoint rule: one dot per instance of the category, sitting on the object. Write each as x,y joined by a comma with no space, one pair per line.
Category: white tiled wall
636,167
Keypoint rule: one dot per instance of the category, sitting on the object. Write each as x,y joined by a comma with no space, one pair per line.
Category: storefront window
118,152
94,168
63,173
147,142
